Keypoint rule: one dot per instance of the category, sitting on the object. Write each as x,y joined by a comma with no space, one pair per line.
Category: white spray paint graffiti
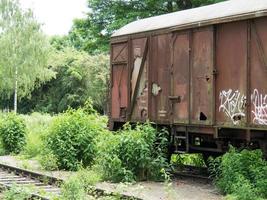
232,104
259,102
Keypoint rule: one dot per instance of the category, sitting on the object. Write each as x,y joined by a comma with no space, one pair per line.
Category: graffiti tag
259,111
232,104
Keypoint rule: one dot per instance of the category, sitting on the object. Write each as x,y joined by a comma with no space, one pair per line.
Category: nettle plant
71,137
133,153
13,133
242,174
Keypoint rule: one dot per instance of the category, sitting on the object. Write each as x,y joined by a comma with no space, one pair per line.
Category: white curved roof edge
196,15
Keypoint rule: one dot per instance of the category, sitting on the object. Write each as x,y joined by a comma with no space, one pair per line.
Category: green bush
13,133
48,160
17,193
133,154
73,189
241,174
71,138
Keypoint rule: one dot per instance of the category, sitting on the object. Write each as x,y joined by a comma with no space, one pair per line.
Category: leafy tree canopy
92,34
24,51
79,76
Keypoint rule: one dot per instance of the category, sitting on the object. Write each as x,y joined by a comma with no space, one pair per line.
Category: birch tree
24,51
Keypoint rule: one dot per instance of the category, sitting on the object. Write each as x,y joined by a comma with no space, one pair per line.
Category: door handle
178,99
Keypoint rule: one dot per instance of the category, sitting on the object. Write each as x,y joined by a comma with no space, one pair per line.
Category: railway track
40,186
43,187
192,172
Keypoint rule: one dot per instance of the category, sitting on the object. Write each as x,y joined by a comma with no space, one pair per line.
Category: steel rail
22,176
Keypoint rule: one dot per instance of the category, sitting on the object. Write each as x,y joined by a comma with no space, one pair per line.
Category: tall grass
37,125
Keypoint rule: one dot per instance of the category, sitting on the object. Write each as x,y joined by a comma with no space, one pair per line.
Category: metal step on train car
201,72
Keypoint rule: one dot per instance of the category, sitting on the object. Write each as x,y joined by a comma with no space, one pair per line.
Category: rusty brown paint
119,85
201,76
258,73
231,63
139,80
180,78
186,72
161,77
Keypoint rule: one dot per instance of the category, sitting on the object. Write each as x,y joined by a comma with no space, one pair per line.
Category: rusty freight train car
201,72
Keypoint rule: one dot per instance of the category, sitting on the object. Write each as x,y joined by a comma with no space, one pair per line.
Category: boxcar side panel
258,72
179,99
202,76
231,79
160,77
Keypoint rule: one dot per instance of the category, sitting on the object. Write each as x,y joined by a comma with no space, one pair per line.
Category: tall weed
37,125
241,174
133,153
71,138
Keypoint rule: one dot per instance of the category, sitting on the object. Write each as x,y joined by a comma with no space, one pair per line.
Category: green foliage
36,124
133,154
92,34
71,138
79,76
24,51
188,159
13,133
79,184
73,189
17,193
48,160
241,174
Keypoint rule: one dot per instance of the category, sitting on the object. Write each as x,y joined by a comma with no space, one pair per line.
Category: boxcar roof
225,11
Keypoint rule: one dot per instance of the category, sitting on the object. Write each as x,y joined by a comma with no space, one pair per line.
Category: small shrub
73,189
241,174
13,133
71,138
133,154
17,193
79,184
48,161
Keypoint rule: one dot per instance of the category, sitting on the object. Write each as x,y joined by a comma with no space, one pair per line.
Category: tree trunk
16,90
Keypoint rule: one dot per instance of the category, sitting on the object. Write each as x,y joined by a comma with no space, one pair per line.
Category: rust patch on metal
202,76
180,78
231,63
258,72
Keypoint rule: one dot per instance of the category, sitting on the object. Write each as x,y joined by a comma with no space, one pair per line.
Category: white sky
56,15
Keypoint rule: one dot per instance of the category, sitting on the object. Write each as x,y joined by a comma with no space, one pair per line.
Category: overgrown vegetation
13,133
17,193
80,184
71,138
37,125
188,159
243,174
80,138
133,153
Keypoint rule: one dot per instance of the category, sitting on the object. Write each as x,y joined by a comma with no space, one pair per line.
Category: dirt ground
179,189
